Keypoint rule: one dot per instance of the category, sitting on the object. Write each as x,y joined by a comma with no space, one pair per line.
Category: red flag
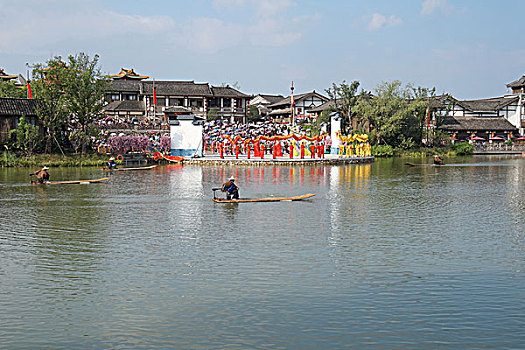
427,116
155,97
293,100
29,93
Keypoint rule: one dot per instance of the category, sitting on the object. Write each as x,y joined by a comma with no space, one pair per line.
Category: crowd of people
130,123
214,130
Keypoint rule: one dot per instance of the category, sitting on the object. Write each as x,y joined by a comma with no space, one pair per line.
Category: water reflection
383,254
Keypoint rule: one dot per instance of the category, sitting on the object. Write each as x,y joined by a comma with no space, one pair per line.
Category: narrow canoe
413,164
267,199
72,182
129,169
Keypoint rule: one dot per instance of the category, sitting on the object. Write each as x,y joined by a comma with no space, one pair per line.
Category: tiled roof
125,86
226,91
487,105
5,76
517,83
18,106
271,98
177,109
477,124
131,106
286,100
177,88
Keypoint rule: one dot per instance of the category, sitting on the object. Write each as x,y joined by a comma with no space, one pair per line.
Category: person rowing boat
438,160
231,189
42,175
111,164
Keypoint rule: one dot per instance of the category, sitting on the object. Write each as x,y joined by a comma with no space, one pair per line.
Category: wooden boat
72,182
130,169
267,199
414,164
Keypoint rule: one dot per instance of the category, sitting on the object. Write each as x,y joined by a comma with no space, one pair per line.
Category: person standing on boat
111,163
438,160
42,175
231,189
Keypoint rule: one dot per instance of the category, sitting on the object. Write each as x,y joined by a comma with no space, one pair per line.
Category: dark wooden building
11,109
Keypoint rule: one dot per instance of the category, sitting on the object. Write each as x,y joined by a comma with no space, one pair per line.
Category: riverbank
8,159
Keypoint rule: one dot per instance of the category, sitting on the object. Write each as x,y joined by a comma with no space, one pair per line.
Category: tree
10,89
48,89
71,98
345,97
212,114
25,136
84,89
254,114
397,113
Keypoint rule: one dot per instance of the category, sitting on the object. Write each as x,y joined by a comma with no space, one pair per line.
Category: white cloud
262,8
379,21
270,32
209,35
36,28
42,27
431,6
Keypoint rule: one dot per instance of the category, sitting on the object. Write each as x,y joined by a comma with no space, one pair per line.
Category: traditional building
482,118
11,109
6,77
127,74
262,101
517,86
281,111
202,99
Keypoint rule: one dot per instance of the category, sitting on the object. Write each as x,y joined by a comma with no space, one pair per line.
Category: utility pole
292,104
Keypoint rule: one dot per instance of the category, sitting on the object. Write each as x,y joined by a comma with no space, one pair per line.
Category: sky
468,48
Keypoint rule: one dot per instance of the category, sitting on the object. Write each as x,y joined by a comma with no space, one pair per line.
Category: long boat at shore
71,182
130,169
266,199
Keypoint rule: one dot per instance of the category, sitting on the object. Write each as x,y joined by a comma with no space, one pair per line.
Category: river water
385,256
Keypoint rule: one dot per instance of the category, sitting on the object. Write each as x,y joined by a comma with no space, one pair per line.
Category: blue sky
470,49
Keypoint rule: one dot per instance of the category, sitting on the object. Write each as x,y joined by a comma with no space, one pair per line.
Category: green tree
397,114
52,111
345,96
212,114
84,89
71,99
254,114
25,137
10,89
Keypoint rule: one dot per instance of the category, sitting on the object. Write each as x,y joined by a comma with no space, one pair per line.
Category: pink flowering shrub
128,143
165,144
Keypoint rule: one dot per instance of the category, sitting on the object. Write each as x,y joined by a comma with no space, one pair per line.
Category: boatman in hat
231,189
111,163
41,175
438,160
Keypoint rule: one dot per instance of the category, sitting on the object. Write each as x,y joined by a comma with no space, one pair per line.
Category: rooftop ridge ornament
127,74
5,76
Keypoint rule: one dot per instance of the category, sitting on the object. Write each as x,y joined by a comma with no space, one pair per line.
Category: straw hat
232,178
112,158
45,168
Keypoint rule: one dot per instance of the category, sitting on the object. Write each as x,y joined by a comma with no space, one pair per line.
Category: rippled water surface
385,256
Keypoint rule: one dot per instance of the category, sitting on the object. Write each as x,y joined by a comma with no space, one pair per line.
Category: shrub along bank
9,159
